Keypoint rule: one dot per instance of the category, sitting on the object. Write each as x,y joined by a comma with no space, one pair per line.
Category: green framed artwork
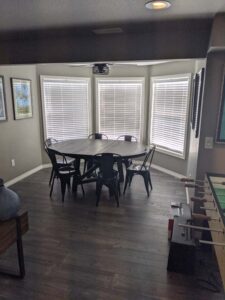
220,136
22,99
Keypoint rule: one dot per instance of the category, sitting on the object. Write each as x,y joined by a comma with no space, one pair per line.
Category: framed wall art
201,75
197,94
195,85
22,98
3,116
220,135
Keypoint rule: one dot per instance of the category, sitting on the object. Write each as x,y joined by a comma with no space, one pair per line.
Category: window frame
90,118
143,98
151,103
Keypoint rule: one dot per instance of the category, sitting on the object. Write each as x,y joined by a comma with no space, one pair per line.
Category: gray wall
212,160
19,139
192,157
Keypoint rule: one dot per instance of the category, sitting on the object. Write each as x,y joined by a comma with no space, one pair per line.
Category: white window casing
169,111
120,104
66,107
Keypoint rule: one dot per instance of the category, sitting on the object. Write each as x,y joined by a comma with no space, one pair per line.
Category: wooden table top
85,148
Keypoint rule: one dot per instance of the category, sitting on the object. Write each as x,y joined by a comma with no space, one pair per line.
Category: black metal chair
98,136
88,163
70,161
127,138
63,172
107,175
143,170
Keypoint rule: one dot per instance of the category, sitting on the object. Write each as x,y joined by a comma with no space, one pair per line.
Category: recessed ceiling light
157,4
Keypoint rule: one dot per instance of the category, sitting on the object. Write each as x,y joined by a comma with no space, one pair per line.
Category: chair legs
82,187
85,166
114,190
126,182
150,181
98,191
52,184
64,182
120,170
131,175
63,187
76,182
51,177
118,187
146,176
146,181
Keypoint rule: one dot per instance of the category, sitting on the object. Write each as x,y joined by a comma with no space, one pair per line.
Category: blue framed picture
22,99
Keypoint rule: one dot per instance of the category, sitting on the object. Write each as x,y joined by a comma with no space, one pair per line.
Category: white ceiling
16,15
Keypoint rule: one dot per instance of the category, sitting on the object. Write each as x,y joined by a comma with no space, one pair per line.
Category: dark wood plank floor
77,251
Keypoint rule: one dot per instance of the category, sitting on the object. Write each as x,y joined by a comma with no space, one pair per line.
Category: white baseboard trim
44,166
166,171
163,170
26,174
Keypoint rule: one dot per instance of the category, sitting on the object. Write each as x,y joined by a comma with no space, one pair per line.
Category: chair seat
138,168
67,170
60,161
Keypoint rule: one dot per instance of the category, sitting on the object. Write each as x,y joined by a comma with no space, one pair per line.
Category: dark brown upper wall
151,41
217,39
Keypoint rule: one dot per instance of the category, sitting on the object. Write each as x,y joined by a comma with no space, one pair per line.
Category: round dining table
88,148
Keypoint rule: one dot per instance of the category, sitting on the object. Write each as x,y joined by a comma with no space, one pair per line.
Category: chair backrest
149,157
127,138
106,162
48,142
52,155
98,136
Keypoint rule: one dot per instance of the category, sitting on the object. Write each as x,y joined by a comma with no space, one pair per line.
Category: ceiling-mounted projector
101,69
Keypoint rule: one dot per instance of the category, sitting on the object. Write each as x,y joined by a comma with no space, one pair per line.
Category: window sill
170,153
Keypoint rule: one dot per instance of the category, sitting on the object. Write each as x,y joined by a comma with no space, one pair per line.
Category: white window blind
66,107
169,113
119,108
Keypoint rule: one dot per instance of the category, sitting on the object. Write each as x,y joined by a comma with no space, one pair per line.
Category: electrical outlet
13,162
208,142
